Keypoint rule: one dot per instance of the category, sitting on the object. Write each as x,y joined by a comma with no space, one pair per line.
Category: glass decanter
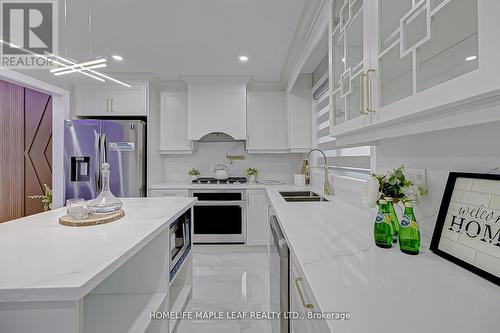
106,202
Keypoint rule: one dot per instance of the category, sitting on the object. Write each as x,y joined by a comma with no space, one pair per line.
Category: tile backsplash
208,154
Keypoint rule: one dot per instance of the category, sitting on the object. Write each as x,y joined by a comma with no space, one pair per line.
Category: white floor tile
228,280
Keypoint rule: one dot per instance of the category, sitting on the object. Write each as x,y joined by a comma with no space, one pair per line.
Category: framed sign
467,229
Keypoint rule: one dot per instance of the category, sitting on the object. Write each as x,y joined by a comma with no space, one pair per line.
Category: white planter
252,179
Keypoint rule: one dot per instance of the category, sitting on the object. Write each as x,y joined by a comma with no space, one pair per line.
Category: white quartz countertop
42,260
385,290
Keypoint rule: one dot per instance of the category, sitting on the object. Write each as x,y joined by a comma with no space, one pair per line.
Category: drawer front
168,193
306,301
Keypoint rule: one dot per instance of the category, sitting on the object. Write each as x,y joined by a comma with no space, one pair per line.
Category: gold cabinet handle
301,295
368,102
361,106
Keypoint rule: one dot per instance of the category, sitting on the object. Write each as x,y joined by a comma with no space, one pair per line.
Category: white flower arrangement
393,184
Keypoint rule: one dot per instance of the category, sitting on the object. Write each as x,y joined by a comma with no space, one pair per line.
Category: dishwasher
280,277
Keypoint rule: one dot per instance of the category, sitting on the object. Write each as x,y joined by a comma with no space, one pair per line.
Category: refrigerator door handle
97,165
137,161
104,151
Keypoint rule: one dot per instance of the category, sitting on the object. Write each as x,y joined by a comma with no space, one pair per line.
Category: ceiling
183,37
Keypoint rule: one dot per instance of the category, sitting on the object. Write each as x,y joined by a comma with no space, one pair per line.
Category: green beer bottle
409,233
383,227
394,219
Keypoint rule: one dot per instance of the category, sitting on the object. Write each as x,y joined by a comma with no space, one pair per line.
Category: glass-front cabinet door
349,64
391,59
432,53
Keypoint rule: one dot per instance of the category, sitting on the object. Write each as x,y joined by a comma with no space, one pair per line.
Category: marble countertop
385,290
42,260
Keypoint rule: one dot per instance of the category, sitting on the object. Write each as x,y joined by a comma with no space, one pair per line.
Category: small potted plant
252,175
194,173
393,186
46,198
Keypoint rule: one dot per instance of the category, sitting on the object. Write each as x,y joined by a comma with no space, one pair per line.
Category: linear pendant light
64,71
71,65
49,59
82,64
87,67
80,69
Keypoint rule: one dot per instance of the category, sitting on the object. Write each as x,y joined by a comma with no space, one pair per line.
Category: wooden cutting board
92,219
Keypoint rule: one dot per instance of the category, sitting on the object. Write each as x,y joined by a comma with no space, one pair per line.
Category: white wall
468,149
271,166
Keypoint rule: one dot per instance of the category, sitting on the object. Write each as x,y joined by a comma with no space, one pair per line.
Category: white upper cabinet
423,55
131,101
92,100
349,59
216,104
298,118
112,100
266,121
174,123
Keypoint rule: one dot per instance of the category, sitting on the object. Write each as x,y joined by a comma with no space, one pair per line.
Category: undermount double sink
302,196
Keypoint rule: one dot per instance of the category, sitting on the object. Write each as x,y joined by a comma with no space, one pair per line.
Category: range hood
217,104
217,137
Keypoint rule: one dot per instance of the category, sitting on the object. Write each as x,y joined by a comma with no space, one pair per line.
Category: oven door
219,222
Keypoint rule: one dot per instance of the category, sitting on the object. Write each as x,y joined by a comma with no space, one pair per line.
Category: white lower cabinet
257,224
168,193
302,301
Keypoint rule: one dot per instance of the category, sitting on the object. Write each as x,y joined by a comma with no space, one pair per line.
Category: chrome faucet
326,184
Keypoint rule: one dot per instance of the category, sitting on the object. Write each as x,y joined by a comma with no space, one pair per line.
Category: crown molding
313,22
257,86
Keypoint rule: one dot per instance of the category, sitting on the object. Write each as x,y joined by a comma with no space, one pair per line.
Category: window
348,167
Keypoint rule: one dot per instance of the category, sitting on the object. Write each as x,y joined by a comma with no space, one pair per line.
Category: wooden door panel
37,148
12,148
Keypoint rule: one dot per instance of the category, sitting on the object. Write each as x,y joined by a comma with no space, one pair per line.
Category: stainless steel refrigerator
90,142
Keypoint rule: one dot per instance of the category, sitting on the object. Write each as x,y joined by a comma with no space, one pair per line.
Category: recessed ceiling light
471,58
117,57
243,58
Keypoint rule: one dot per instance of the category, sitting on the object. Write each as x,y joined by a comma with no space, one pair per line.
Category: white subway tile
486,186
495,202
476,243
488,263
458,250
463,184
471,197
450,234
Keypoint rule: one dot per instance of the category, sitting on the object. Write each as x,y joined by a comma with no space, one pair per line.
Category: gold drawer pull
361,105
301,295
368,92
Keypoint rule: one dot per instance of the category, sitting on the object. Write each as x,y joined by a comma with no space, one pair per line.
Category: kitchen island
104,278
